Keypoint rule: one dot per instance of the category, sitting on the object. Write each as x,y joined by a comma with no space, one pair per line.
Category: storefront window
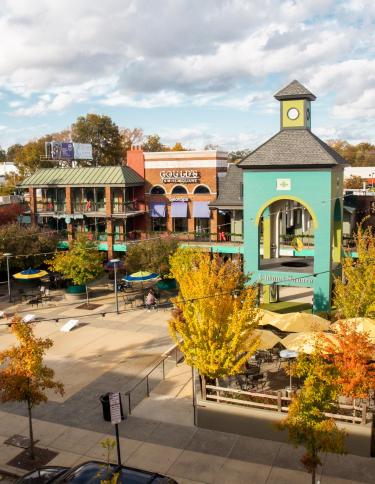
157,190
180,225
202,228
179,190
159,224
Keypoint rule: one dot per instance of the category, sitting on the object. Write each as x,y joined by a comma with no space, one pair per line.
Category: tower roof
293,148
294,90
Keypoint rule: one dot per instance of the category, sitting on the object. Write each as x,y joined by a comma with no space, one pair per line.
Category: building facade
179,187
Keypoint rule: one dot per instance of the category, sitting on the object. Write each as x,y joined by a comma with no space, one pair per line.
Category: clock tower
295,106
292,190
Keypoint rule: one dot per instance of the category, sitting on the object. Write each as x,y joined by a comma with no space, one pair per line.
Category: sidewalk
153,438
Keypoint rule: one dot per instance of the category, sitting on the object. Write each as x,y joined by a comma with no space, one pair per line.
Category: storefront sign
180,176
179,199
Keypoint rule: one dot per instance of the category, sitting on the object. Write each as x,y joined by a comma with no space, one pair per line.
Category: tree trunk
87,296
32,454
313,475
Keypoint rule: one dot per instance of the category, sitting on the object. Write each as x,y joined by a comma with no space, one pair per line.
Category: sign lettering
180,176
115,407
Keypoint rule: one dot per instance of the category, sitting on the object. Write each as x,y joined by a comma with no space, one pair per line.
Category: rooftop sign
180,176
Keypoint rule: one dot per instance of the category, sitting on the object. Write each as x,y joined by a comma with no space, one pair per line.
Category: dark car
93,472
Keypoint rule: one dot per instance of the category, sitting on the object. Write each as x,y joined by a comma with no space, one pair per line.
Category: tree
151,255
235,156
153,143
215,313
178,147
306,423
354,293
103,134
3,155
10,212
21,241
129,138
351,355
353,182
361,154
82,263
23,375
12,152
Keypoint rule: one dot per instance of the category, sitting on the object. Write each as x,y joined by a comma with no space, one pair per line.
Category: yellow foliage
215,313
354,294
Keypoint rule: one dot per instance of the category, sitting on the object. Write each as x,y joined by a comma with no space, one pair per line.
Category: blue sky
193,71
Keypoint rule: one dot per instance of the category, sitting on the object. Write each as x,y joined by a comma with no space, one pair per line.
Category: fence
137,393
280,402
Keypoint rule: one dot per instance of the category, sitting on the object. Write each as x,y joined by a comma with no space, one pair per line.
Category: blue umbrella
140,276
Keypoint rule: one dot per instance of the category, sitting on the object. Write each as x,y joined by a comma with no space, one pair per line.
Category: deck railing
278,402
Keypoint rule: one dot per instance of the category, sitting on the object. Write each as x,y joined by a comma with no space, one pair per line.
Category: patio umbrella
267,339
30,274
363,325
304,342
140,276
268,317
300,322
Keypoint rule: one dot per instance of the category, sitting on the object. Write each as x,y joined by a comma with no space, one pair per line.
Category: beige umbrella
267,339
268,317
304,342
363,325
300,322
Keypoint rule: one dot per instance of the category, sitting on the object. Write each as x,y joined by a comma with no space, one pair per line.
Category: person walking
150,300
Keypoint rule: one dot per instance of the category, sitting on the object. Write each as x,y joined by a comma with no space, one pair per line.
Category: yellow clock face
293,113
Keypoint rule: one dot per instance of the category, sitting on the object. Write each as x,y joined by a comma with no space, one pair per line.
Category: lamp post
115,262
7,255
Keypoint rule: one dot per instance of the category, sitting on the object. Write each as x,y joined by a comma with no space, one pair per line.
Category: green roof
86,176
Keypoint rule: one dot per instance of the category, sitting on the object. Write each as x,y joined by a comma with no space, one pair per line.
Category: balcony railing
123,207
50,207
88,207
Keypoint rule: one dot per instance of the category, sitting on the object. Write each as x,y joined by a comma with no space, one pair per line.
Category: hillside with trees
361,154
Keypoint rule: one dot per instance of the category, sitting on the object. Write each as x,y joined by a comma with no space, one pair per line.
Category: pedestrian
150,300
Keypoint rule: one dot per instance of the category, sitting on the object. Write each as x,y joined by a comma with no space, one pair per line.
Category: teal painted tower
293,187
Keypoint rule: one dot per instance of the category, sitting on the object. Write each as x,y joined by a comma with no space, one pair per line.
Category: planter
76,289
75,292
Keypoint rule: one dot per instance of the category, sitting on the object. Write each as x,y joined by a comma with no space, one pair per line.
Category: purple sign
67,152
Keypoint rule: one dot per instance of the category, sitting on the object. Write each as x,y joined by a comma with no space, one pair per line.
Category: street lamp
7,255
115,262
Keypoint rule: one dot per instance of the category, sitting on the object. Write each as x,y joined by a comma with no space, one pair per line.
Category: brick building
179,185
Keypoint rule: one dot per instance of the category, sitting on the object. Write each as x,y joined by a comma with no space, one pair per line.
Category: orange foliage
351,356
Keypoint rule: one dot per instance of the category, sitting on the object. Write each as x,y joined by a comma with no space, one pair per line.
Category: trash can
104,400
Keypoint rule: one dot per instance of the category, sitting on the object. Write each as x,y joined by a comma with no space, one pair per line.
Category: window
157,190
202,228
180,224
159,224
179,189
201,189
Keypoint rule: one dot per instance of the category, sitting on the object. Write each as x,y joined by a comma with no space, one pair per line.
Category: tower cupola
295,109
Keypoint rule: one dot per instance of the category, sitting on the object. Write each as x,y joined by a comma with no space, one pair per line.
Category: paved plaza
114,352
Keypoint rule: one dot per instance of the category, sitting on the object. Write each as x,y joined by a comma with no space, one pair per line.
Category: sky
195,71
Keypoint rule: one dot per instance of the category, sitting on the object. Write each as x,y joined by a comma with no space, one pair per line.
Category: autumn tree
306,423
351,353
82,263
32,241
3,155
354,292
354,182
23,375
104,136
151,255
153,143
215,313
361,154
129,138
178,147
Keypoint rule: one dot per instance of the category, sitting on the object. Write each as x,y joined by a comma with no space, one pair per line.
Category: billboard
66,150
82,151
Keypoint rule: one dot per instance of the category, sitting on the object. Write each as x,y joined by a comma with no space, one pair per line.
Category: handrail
164,357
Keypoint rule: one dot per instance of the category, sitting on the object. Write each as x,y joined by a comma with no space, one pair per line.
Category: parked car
93,472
